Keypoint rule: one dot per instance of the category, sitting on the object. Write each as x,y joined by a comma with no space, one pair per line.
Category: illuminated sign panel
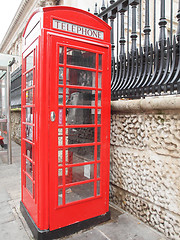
73,28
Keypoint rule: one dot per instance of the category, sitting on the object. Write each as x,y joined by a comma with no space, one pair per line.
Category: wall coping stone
147,104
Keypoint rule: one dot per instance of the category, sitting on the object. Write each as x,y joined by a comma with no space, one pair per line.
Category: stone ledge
147,104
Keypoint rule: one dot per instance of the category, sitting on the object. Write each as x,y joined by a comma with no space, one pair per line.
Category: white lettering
65,26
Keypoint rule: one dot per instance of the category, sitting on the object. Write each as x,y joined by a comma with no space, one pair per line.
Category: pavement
122,225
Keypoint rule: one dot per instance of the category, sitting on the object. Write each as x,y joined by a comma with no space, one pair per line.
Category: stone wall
145,161
16,125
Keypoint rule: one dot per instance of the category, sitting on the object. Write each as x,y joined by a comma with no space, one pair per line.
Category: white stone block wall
145,161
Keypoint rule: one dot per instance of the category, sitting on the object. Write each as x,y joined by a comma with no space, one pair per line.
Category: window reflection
61,55
80,77
81,58
78,116
78,97
80,135
29,61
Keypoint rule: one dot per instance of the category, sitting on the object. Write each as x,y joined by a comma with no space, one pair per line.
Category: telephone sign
65,121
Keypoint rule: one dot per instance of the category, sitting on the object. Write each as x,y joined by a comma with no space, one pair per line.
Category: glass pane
81,97
60,118
80,135
99,98
29,185
29,150
81,58
99,134
29,61
60,96
60,131
99,152
61,69
29,168
99,116
60,196
60,157
61,55
80,77
98,188
77,116
29,97
29,132
99,80
80,154
98,170
29,115
60,178
29,79
80,173
60,141
79,192
100,61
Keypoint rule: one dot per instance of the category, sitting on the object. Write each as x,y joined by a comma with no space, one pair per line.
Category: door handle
53,116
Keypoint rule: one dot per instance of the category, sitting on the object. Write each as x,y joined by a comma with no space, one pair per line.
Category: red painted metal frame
43,204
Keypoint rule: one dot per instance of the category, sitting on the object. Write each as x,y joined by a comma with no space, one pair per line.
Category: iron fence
142,65
16,88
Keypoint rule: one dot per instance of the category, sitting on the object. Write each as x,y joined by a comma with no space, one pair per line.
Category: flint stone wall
16,125
145,161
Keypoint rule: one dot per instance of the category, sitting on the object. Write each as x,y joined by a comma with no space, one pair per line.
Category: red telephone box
65,121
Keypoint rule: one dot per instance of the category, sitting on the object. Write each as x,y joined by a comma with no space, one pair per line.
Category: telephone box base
61,232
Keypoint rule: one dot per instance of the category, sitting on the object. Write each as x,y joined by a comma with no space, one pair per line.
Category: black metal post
154,22
122,37
178,29
147,29
134,33
162,24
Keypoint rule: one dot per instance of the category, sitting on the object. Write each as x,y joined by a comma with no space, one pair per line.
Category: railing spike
103,7
162,24
112,1
95,10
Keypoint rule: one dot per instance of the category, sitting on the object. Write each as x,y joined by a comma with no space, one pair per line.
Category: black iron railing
141,68
16,88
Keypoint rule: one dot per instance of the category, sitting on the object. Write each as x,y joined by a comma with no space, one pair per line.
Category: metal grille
143,65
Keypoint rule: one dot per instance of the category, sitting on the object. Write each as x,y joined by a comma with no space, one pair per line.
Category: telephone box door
79,120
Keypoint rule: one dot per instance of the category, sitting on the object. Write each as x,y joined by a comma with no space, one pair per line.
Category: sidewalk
122,225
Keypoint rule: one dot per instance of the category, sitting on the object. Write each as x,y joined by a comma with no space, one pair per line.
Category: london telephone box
65,121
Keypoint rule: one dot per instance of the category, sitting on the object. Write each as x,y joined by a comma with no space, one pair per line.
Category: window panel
79,192
80,135
29,97
29,185
81,97
81,58
29,61
61,55
29,79
80,154
80,77
80,173
78,116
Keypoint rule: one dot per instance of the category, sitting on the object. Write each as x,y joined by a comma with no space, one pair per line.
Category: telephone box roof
67,14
